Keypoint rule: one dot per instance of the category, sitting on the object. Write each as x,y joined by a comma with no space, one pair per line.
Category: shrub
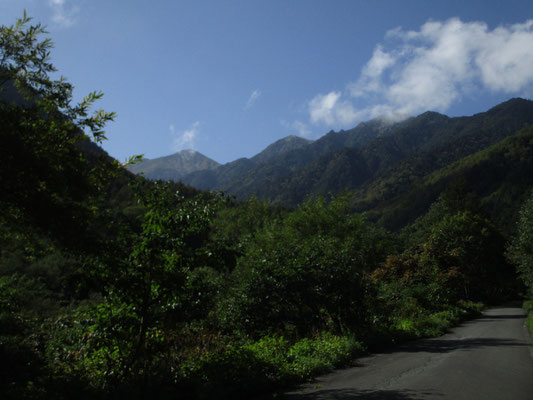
241,370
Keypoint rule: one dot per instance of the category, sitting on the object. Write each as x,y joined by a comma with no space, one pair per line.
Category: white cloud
430,69
298,127
184,140
252,99
331,110
302,129
64,12
370,80
322,107
506,58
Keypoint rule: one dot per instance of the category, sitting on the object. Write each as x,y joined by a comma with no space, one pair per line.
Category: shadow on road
447,345
353,394
487,318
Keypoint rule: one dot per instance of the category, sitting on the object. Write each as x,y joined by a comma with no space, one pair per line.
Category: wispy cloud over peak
323,106
330,109
184,140
299,128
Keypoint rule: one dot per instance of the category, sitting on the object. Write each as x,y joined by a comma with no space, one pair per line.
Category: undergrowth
252,367
246,368
436,324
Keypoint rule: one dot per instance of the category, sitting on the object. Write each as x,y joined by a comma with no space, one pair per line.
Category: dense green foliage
528,307
498,175
521,249
113,286
520,252
305,273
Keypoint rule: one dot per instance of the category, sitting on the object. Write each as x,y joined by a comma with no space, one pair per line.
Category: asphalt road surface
487,358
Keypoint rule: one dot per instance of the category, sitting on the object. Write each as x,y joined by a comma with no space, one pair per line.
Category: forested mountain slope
500,176
381,158
466,135
243,174
232,171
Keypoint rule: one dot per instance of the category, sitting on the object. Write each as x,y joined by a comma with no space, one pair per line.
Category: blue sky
227,78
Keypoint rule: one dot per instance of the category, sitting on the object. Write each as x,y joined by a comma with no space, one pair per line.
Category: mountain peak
516,105
188,154
282,145
174,166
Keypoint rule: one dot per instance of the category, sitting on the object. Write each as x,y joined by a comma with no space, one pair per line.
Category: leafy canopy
25,63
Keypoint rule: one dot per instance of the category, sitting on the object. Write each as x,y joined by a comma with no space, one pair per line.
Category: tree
520,252
53,177
305,273
25,63
469,251
46,173
170,278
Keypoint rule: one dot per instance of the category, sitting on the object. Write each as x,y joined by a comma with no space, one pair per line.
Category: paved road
487,358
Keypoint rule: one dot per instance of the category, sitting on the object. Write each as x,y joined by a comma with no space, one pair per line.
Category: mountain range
387,165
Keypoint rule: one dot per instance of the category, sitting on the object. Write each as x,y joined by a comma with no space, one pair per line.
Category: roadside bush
436,324
323,353
244,369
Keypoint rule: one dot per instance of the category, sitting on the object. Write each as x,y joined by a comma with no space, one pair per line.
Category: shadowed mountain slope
379,158
500,176
225,175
